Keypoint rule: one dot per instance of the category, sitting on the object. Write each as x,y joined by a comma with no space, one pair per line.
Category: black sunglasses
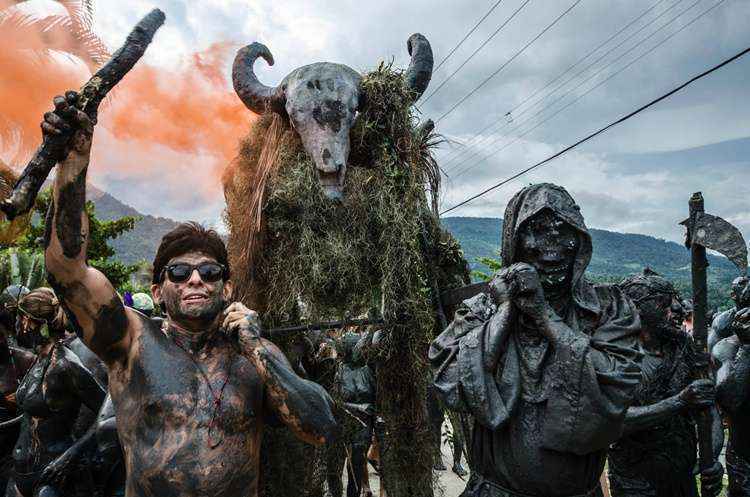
209,272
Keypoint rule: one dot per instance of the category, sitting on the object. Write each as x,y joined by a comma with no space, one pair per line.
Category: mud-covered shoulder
726,349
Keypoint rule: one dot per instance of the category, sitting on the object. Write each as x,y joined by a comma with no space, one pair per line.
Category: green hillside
140,243
615,256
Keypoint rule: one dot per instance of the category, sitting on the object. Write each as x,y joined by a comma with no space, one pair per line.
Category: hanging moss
312,258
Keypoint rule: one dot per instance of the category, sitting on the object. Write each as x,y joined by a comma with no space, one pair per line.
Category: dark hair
189,237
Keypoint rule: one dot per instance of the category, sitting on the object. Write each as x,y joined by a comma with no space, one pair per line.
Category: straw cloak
544,415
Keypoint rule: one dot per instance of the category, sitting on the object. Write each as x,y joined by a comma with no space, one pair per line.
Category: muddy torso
49,409
178,441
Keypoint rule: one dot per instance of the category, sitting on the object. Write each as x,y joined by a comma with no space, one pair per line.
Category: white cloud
640,194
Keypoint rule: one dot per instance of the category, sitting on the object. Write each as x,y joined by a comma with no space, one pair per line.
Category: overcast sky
635,178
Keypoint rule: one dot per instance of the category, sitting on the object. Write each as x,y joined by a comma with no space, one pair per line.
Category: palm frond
81,10
54,31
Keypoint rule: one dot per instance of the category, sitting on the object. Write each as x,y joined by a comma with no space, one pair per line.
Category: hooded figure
546,362
730,340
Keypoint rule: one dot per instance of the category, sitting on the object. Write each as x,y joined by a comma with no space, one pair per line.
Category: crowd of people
552,376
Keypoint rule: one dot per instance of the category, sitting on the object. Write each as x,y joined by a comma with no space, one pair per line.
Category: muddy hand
68,125
243,323
57,470
699,394
500,286
711,480
527,292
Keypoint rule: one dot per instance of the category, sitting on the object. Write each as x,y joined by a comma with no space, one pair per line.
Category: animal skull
321,101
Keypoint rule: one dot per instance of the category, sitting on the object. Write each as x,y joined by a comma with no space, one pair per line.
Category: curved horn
255,95
420,69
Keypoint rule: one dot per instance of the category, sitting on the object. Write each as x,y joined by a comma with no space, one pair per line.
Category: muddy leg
335,459
458,444
11,490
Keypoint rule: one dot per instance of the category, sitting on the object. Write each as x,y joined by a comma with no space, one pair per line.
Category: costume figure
8,311
14,362
192,393
657,454
546,363
49,397
730,332
355,383
437,414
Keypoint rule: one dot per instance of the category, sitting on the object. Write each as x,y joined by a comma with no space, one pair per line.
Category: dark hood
530,201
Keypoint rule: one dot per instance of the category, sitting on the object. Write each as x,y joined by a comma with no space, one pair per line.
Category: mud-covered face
661,314
194,300
550,245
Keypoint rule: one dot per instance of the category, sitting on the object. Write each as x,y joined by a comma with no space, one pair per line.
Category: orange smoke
160,124
33,68
192,109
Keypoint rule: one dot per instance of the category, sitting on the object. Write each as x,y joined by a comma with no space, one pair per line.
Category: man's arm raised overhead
91,301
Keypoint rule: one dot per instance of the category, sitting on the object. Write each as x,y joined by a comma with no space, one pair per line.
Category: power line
572,102
589,66
602,130
485,42
550,83
486,80
467,35
592,76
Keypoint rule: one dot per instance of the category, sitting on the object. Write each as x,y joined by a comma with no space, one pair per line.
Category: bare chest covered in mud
189,423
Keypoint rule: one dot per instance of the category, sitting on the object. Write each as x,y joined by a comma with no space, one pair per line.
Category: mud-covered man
730,336
657,454
191,394
546,363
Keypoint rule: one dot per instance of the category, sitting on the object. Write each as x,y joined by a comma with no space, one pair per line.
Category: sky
636,178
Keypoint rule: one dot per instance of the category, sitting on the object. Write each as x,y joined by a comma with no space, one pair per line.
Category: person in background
49,398
143,303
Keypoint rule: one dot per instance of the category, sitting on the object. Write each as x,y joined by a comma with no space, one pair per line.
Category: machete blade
720,235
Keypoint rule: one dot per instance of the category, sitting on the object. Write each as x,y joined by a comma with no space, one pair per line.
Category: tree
21,267
99,254
492,263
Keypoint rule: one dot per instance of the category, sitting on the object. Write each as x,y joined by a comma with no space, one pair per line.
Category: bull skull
321,101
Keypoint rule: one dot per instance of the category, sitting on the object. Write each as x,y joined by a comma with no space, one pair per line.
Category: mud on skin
657,452
175,442
50,398
72,199
732,353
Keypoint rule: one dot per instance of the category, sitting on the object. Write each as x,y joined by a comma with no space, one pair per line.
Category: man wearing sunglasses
193,392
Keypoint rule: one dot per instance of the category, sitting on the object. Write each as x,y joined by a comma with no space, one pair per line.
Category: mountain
615,255
139,244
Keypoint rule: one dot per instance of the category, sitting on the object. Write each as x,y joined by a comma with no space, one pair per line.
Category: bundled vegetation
296,255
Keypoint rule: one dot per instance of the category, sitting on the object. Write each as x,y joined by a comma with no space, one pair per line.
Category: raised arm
87,295
302,405
698,394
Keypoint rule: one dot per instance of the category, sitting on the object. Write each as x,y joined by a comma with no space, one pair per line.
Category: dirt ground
449,484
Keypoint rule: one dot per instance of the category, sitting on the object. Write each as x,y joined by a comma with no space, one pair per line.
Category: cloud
619,178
